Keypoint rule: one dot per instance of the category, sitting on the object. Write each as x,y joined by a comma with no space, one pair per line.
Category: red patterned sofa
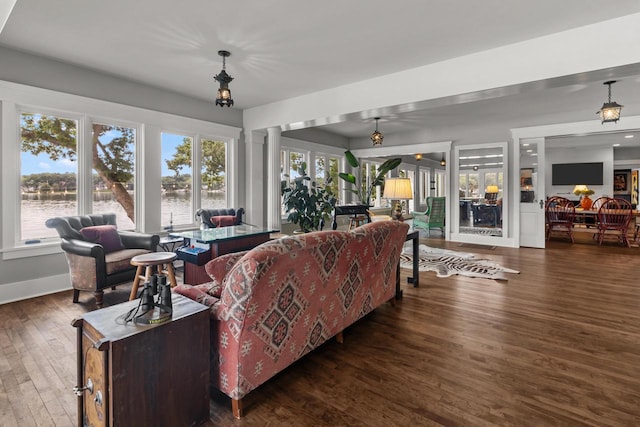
275,303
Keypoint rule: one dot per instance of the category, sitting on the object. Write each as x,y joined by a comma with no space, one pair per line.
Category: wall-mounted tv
576,173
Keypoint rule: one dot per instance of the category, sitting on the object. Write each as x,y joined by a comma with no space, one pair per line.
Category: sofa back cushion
69,227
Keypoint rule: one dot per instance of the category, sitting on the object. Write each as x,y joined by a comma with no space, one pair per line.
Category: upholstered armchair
214,218
99,255
433,217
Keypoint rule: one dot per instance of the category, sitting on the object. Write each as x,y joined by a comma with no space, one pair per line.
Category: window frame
16,98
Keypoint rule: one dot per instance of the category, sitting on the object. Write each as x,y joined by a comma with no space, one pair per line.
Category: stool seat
162,260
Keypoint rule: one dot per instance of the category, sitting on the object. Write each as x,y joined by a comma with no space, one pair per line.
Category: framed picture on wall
526,177
622,182
634,187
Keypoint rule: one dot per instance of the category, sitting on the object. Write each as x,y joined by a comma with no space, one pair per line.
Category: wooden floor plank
557,344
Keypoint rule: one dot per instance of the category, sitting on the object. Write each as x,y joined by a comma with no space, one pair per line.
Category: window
213,175
468,185
48,172
176,207
425,185
73,155
113,178
440,183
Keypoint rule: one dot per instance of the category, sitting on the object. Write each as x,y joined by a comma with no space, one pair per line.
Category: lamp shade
397,189
491,189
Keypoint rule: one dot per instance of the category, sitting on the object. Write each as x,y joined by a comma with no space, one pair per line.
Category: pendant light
377,137
443,162
224,93
610,111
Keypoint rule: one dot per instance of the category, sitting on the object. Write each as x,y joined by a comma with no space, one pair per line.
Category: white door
532,193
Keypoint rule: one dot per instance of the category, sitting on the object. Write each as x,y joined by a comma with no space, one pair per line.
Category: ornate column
273,177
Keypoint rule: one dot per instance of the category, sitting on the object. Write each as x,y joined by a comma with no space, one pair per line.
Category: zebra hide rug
447,263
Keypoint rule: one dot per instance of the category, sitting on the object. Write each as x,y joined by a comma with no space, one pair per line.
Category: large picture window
176,207
48,171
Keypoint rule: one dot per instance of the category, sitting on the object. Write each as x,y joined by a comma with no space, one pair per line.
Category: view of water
37,208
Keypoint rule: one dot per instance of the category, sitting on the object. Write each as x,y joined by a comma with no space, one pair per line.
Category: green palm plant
363,192
307,203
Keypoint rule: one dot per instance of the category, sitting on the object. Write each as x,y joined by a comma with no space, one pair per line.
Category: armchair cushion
218,268
105,235
223,220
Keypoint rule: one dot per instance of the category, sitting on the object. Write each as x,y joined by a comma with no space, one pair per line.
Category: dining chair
559,215
613,219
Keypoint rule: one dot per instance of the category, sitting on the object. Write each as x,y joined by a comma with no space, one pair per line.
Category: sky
31,164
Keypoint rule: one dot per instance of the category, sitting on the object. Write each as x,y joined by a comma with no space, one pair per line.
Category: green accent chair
433,217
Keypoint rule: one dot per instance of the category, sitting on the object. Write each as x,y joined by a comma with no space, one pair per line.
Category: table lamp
491,194
397,189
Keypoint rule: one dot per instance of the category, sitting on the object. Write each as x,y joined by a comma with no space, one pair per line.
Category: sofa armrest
197,293
133,240
218,268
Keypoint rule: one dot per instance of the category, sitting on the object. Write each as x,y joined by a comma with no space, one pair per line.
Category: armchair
98,254
433,217
213,218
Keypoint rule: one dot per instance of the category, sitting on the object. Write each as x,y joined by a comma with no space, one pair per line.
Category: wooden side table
143,375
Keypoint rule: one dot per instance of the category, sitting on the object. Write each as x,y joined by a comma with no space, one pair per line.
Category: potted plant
362,191
307,203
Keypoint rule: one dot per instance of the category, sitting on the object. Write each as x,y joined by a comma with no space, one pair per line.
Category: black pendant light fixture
377,137
443,162
610,111
224,93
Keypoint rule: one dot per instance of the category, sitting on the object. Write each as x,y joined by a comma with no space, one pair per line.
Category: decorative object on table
491,194
397,190
307,203
447,263
224,93
584,192
433,217
377,136
610,111
98,253
362,191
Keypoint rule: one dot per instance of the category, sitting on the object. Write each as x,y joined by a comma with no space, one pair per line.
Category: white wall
584,155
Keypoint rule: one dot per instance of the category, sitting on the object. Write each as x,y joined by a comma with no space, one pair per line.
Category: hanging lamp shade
223,96
610,111
376,136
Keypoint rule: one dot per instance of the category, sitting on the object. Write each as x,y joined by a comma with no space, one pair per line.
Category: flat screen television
576,173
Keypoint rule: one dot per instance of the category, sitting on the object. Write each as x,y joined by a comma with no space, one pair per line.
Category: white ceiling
287,48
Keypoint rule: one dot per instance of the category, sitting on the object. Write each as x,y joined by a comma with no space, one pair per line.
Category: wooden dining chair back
560,213
614,217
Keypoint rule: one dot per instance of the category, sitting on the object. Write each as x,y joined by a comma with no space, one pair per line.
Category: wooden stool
164,261
356,221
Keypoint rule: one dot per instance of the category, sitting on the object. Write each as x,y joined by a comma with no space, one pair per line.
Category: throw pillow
105,235
223,220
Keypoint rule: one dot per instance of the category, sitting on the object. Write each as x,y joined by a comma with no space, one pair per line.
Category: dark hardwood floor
558,344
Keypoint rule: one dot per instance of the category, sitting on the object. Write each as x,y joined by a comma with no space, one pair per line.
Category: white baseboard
34,288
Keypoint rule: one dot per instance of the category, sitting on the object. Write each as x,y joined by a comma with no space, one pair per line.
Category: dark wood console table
349,210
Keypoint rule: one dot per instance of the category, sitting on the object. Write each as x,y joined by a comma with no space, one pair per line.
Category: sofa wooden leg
340,338
76,295
98,295
236,407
